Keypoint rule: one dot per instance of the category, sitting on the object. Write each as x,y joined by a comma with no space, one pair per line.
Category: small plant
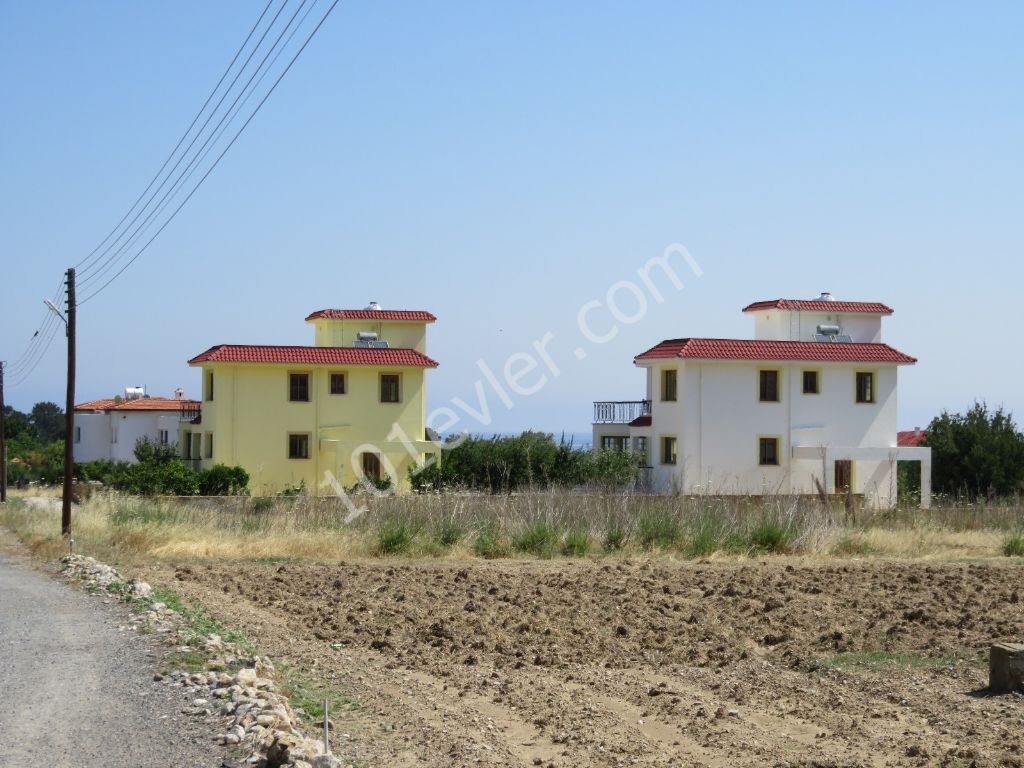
851,546
659,528
769,536
449,533
577,543
539,538
489,542
395,537
707,536
1013,545
615,538
262,504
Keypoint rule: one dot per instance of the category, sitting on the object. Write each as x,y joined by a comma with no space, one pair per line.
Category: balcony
620,411
189,411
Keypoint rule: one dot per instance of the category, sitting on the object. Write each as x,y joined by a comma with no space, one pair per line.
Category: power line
219,157
83,265
219,130
111,261
39,357
36,338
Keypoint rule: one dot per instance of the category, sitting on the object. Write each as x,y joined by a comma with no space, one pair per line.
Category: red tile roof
869,307
102,404
743,349
911,438
250,353
142,404
413,315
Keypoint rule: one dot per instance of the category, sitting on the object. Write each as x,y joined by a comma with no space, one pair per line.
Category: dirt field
782,663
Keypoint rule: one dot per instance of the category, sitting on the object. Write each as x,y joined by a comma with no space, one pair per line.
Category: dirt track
573,664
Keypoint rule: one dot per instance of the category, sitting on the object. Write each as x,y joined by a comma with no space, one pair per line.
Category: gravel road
76,684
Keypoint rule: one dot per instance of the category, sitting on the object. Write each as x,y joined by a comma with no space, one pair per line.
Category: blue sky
503,163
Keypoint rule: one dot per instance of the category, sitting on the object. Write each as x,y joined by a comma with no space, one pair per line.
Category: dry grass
125,529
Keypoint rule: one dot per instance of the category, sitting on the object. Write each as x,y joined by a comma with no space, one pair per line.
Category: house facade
110,427
808,404
350,406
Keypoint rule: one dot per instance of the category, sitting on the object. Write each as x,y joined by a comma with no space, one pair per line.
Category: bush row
530,460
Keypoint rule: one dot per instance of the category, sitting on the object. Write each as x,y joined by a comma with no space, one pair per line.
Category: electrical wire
111,261
216,162
84,264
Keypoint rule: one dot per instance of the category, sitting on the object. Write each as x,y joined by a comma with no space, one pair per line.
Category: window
208,452
187,446
768,386
811,386
371,466
768,452
298,387
337,384
298,446
614,442
164,437
640,446
390,388
668,450
78,434
668,385
208,389
113,435
865,387
196,444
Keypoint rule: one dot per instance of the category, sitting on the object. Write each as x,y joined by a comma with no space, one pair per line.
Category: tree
979,453
48,420
17,425
149,451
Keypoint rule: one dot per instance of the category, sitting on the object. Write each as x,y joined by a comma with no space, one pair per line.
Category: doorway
844,476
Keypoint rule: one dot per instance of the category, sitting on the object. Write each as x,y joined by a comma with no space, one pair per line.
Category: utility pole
69,412
3,440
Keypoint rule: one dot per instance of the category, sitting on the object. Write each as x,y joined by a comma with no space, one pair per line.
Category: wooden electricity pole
69,413
3,440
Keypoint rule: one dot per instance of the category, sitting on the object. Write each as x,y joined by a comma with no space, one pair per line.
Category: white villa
109,428
810,399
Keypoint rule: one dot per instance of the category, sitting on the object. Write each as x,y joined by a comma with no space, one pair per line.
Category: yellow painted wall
251,418
343,333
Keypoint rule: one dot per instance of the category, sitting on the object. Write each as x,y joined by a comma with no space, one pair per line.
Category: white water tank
134,393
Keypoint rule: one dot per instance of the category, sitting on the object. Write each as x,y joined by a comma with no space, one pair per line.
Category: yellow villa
353,405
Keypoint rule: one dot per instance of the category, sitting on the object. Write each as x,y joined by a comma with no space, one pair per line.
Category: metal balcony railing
620,411
188,411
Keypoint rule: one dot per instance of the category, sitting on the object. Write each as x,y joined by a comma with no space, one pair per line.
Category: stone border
256,718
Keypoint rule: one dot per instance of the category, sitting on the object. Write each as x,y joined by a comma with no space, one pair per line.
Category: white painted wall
93,433
718,420
113,434
787,325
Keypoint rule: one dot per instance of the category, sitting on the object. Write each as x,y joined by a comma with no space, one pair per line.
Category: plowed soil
780,663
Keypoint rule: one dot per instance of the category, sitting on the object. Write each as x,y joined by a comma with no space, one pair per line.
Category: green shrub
220,480
577,543
539,538
615,538
149,451
490,543
262,504
395,537
769,535
658,528
449,533
707,536
851,545
529,460
1013,545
